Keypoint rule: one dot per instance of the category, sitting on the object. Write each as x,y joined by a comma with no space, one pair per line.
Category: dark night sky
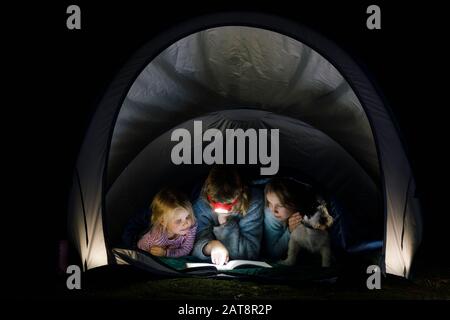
72,69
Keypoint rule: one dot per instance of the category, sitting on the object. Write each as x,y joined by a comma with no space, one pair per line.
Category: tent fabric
235,66
128,256
301,147
327,102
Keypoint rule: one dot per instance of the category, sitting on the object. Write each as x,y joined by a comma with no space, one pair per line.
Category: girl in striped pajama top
173,226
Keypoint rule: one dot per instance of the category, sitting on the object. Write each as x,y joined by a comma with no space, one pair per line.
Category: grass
427,285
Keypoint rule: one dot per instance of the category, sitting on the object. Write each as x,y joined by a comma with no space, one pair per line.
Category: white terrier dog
311,234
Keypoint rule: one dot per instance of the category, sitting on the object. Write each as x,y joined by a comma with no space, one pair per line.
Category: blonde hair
164,204
224,185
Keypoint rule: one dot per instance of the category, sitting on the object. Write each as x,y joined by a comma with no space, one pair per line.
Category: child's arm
158,251
187,245
276,236
243,238
149,240
205,224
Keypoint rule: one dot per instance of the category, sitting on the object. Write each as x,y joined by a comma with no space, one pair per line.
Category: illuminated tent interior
334,129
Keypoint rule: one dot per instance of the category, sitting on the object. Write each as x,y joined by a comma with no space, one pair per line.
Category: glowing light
221,210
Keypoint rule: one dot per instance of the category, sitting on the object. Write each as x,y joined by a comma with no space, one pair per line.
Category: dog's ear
325,218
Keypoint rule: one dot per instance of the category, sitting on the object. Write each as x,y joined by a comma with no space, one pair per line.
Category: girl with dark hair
287,202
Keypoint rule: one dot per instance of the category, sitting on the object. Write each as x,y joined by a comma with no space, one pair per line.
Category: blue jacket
276,236
241,235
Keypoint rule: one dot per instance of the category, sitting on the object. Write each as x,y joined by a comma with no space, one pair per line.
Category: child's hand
223,218
158,251
294,220
219,253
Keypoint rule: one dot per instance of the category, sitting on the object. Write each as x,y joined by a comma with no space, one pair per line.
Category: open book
230,265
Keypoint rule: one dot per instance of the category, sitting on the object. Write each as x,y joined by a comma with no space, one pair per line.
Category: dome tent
239,74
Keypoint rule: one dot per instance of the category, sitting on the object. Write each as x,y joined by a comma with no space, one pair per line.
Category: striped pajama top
177,247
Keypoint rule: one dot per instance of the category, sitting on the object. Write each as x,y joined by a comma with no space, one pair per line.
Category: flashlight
220,207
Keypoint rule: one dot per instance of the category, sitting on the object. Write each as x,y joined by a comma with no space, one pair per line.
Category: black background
59,75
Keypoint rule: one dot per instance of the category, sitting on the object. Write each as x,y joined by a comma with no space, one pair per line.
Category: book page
236,263
230,265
